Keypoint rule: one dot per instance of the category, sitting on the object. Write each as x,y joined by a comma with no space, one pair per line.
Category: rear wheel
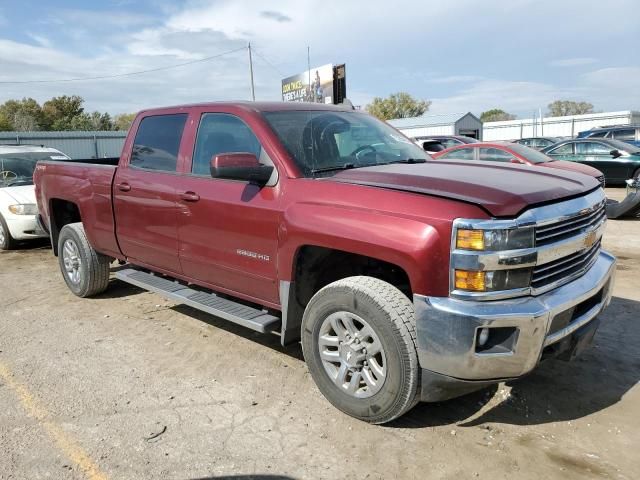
358,339
7,242
85,271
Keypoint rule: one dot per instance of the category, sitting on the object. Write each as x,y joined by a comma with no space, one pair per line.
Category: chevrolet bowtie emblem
590,239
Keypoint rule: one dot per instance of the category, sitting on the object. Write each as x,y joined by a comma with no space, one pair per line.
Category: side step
249,317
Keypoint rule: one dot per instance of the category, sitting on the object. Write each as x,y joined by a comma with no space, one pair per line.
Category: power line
254,50
102,77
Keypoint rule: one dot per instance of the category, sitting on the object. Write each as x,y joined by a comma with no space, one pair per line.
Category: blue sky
462,55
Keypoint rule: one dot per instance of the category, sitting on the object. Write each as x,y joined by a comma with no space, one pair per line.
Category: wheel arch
61,213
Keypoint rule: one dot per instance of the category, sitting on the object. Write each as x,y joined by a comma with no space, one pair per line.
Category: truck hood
503,190
20,194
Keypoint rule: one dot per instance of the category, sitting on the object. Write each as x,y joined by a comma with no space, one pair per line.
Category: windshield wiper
408,160
345,166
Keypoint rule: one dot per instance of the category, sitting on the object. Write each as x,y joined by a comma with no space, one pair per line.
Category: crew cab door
144,192
228,229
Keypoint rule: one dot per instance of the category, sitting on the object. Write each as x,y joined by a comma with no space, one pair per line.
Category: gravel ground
128,385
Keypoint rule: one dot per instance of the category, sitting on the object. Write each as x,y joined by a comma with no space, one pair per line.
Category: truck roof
257,106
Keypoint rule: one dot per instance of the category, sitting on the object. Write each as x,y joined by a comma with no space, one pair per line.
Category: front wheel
85,271
359,342
6,240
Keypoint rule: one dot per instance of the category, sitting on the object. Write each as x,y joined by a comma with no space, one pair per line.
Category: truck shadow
556,390
266,340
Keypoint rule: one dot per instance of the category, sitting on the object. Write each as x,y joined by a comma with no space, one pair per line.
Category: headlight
494,240
24,209
479,281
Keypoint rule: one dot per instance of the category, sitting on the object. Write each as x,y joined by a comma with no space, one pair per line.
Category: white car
18,209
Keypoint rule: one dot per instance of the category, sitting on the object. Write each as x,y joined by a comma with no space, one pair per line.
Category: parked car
624,133
538,142
327,225
515,153
17,197
430,146
448,140
618,160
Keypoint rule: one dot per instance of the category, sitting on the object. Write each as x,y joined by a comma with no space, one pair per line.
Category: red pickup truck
405,280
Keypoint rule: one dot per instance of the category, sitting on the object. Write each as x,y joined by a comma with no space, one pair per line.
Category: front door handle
190,196
124,187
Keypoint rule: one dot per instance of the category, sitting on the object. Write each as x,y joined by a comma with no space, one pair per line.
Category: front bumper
447,328
24,227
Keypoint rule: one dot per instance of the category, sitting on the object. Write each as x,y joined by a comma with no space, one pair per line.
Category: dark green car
617,160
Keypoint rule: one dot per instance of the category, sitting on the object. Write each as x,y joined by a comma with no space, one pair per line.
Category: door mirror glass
615,153
240,166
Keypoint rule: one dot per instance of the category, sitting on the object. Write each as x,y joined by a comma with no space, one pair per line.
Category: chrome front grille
559,270
566,228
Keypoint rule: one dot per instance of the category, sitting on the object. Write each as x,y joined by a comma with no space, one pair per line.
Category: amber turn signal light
470,280
470,239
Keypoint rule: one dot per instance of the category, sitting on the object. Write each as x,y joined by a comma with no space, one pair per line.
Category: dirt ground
129,386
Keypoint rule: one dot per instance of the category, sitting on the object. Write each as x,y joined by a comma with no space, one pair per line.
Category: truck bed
87,185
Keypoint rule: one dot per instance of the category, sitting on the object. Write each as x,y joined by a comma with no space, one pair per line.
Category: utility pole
253,91
309,73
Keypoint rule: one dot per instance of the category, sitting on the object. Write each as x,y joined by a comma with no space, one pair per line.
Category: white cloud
456,79
573,62
387,47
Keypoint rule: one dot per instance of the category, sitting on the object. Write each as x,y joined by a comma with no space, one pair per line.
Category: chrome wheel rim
71,260
352,354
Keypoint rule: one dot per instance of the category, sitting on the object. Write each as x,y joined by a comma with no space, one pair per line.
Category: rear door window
495,155
592,148
626,135
459,154
157,142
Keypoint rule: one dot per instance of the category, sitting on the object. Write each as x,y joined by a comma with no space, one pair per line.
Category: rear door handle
190,196
124,187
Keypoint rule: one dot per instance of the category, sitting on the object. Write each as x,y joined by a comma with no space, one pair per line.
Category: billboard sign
315,85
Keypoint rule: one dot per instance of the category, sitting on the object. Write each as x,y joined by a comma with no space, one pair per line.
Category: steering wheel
6,175
361,149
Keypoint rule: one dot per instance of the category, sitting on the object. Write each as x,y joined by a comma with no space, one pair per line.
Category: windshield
531,154
320,140
17,168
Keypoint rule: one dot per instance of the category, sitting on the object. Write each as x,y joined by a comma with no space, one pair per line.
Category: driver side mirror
615,153
240,166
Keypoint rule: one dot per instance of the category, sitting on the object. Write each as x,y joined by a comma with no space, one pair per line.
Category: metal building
75,144
568,126
444,124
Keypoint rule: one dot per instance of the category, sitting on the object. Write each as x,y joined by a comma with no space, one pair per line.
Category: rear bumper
447,331
24,227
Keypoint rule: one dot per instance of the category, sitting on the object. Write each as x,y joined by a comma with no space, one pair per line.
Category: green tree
59,112
496,115
5,124
397,105
561,108
123,121
23,115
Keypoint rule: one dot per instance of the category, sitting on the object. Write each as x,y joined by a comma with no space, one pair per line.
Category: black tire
7,242
636,175
391,315
93,267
